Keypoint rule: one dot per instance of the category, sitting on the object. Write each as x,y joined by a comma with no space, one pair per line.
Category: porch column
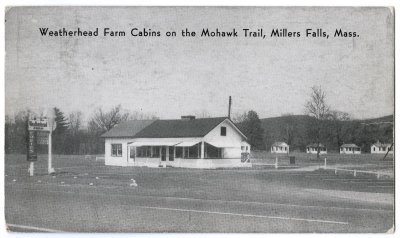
202,150
167,153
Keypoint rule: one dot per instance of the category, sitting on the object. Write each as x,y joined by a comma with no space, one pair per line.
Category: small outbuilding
350,149
280,148
313,148
381,148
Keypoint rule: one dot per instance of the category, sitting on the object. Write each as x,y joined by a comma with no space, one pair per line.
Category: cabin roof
279,143
350,146
127,129
315,145
180,128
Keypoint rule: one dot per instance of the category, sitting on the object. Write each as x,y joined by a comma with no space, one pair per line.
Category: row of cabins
187,142
377,148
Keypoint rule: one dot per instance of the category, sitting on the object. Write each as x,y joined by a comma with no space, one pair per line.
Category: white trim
188,143
153,143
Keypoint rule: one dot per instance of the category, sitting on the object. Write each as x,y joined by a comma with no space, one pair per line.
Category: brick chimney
188,117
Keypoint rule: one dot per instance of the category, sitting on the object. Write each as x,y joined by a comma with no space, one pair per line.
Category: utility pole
229,107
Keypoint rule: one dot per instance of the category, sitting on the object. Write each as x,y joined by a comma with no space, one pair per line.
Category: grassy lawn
367,161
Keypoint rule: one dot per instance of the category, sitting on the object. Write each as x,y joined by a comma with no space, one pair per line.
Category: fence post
325,164
377,175
276,162
355,173
335,170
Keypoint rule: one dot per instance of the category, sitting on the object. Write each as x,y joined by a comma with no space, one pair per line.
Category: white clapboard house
280,148
186,142
381,148
313,148
350,149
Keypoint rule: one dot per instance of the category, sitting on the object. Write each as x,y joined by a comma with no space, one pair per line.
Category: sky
174,76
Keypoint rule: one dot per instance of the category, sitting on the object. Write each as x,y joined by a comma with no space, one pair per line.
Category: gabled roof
349,146
379,144
180,128
280,144
127,129
315,145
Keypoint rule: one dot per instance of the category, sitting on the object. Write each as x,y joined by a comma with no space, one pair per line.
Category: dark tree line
323,125
72,135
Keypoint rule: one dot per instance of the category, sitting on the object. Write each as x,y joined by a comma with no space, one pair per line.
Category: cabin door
131,154
163,156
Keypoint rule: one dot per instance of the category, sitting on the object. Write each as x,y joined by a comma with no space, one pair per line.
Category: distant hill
295,130
385,119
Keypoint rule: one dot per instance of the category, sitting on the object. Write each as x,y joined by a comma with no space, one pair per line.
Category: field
86,196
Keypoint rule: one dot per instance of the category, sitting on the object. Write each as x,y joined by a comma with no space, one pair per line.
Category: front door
163,156
171,153
131,154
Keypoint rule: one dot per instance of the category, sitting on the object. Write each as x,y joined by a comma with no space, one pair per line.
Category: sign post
52,127
37,130
32,154
31,168
50,166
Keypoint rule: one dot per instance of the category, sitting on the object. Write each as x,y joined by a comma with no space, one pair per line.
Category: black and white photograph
199,119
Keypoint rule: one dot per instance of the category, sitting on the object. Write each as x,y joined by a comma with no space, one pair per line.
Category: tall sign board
32,154
39,132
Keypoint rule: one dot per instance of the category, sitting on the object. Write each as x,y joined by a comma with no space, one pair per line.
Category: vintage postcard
199,119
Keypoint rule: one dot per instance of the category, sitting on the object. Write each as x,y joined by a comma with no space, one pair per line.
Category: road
104,199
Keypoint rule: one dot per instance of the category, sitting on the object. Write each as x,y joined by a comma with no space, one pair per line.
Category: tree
15,133
74,135
60,133
100,123
337,126
250,124
289,129
317,108
105,121
138,115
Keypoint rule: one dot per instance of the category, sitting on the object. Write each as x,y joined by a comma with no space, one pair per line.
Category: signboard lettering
39,124
32,153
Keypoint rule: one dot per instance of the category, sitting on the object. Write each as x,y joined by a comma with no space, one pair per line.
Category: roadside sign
42,137
32,153
39,124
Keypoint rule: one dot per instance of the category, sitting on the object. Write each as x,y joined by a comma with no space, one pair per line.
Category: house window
155,152
132,152
223,131
178,152
116,150
143,151
374,148
193,151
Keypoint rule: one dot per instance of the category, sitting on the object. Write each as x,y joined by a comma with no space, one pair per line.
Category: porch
194,154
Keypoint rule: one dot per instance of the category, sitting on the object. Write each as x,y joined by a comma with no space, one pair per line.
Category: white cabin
187,142
280,148
381,148
350,149
313,149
